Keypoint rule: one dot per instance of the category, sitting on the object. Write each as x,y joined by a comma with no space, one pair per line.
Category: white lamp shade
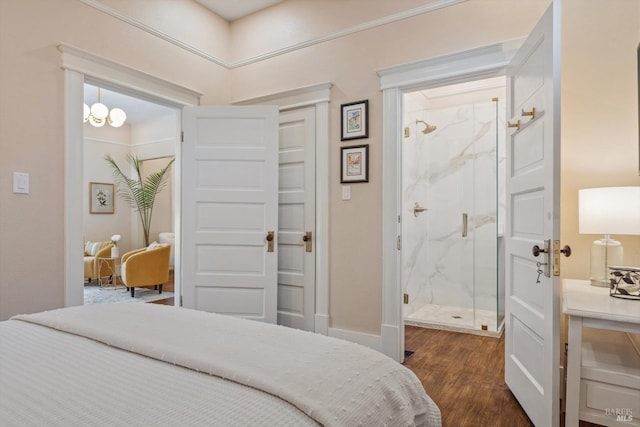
99,111
609,210
96,122
117,117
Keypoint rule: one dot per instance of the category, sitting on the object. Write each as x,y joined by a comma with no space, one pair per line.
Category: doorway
151,133
475,64
81,67
453,159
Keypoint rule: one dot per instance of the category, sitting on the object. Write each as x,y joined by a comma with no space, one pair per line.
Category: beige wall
30,29
599,114
350,63
32,133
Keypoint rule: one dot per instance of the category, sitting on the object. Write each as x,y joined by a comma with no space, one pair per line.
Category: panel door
296,218
532,192
229,205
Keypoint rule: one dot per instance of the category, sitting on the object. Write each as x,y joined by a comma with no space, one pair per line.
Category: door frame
80,66
459,67
317,96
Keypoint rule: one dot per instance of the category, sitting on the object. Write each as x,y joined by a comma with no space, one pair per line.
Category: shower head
428,128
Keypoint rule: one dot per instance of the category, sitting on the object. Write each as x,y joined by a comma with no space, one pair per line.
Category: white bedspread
335,382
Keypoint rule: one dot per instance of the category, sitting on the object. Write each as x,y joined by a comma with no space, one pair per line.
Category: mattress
147,364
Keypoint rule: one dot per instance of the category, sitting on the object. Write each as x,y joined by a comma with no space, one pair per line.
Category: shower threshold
456,319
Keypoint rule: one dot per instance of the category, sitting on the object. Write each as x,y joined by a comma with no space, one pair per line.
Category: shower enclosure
453,207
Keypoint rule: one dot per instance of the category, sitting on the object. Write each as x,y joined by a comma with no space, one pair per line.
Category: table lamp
607,211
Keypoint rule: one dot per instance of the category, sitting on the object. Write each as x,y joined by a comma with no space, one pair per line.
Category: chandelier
99,114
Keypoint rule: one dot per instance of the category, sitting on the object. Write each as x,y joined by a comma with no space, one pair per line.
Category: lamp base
604,253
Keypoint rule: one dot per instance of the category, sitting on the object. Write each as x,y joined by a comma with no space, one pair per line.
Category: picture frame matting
101,198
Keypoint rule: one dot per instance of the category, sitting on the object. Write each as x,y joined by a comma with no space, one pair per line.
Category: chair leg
132,291
160,288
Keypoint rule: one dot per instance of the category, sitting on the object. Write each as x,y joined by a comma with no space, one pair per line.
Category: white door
229,207
532,329
296,220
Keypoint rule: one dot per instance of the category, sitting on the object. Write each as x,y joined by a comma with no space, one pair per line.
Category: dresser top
579,298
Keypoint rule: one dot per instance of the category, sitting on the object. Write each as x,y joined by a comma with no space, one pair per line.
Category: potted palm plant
140,193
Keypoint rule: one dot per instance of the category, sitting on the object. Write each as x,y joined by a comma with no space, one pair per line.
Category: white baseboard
368,340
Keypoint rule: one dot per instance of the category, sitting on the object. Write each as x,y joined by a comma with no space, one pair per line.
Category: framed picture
355,120
355,164
100,198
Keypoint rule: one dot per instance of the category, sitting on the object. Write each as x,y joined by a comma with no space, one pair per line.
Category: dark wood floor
464,375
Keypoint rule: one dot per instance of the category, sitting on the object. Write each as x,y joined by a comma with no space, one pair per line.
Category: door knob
270,237
307,239
536,250
566,251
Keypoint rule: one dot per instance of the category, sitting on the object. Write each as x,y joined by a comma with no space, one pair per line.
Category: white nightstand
603,363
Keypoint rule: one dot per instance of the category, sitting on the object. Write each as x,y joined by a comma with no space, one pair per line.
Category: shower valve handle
418,209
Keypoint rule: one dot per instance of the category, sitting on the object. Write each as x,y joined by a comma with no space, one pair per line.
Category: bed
148,364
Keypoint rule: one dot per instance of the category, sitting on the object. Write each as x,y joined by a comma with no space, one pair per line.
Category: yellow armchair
94,268
146,267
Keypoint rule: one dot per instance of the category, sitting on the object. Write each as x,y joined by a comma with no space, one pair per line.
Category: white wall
98,143
599,114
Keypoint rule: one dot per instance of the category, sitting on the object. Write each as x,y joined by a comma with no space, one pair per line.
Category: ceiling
234,9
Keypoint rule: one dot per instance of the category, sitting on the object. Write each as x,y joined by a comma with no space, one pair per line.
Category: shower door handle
465,229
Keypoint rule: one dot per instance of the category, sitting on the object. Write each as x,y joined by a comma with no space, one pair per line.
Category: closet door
229,218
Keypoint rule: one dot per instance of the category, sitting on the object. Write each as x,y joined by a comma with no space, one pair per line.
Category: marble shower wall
452,171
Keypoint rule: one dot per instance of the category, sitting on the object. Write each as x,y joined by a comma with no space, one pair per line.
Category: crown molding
96,4
439,4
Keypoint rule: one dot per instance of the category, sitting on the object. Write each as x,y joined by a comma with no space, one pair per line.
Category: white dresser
603,362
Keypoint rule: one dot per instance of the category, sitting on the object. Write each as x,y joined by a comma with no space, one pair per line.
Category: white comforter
331,381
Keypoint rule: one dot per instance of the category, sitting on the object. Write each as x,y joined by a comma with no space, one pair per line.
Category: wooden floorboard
464,375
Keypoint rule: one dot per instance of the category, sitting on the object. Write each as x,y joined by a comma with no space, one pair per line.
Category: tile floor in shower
455,319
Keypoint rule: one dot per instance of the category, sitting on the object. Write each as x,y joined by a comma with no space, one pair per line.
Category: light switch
346,192
21,183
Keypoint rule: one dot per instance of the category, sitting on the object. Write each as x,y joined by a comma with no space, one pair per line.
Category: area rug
110,294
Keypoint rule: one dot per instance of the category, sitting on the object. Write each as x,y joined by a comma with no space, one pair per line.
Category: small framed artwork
355,164
355,120
100,198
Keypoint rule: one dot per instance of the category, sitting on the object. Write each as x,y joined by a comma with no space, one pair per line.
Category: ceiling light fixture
99,114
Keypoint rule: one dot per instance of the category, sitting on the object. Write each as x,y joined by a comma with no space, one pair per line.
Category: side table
111,265
603,363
